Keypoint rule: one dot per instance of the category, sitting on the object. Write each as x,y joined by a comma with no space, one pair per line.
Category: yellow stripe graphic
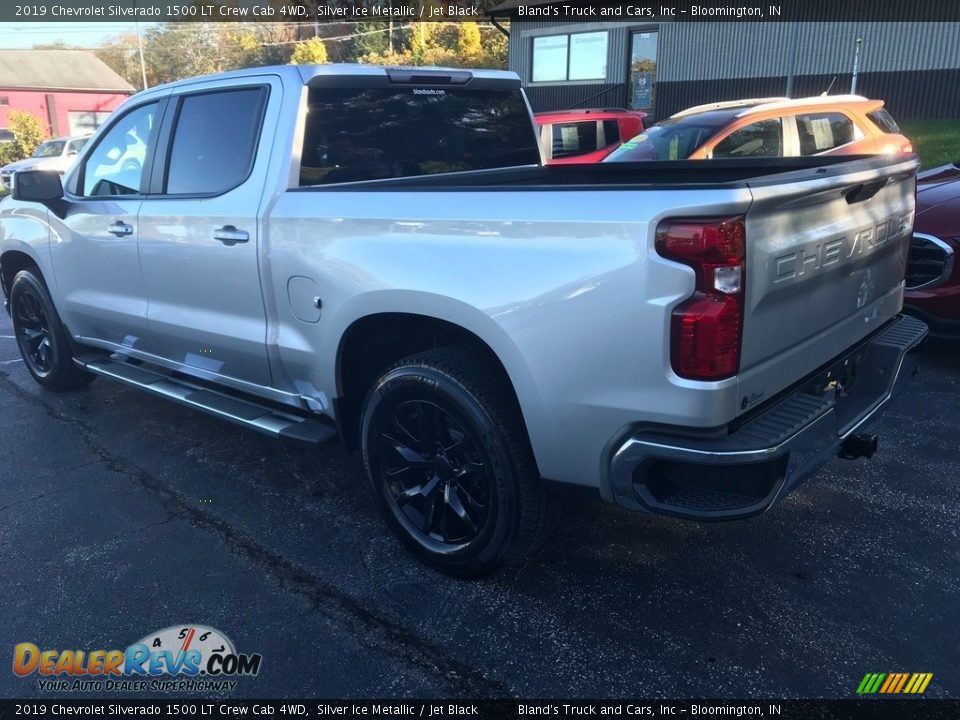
913,684
926,682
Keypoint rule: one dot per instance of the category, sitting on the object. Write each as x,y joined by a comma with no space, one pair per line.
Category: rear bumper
746,470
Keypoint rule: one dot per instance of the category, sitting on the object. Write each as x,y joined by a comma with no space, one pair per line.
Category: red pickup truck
933,273
586,136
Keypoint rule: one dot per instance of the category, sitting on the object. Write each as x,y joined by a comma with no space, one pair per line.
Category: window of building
84,123
578,56
821,132
759,139
355,134
208,155
643,70
4,100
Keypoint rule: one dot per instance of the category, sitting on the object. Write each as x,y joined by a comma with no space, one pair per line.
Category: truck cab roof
310,74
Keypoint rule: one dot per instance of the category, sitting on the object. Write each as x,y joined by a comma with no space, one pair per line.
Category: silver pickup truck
379,255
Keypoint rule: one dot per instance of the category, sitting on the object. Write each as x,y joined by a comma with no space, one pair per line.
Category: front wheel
41,337
451,468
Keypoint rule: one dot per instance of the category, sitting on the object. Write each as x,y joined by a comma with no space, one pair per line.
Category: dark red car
933,271
586,136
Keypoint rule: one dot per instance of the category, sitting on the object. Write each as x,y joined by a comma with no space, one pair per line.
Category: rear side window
759,139
882,119
820,132
214,141
611,132
575,138
355,134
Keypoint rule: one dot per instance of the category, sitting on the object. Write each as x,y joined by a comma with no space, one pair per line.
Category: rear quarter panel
563,286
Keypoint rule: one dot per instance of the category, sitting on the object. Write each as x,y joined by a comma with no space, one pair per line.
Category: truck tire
452,472
40,335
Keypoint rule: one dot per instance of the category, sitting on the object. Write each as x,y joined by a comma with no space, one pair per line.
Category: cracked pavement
121,514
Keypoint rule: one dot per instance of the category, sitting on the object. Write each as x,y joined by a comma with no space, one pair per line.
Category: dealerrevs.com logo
180,657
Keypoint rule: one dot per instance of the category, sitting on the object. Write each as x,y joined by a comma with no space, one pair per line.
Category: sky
84,34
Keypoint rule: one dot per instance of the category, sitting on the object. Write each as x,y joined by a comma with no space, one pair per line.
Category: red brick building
71,91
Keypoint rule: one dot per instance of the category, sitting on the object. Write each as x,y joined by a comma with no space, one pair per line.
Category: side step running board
241,411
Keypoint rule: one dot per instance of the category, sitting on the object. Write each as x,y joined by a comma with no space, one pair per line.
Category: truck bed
634,175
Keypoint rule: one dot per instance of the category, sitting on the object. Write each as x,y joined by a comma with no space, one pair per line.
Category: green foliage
371,37
937,142
29,131
463,44
469,43
309,52
121,55
173,51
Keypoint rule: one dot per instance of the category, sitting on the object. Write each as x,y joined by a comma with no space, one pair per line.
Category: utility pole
856,67
792,55
143,66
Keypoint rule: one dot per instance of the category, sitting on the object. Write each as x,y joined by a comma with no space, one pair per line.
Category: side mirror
42,186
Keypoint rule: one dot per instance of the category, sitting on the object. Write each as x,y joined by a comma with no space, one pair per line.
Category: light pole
143,66
792,54
856,67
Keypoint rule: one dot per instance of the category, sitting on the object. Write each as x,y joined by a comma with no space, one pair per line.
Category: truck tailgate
825,266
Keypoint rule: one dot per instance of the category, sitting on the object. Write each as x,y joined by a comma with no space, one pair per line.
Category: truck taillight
707,329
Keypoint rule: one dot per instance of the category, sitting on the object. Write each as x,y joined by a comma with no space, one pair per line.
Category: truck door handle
229,235
120,229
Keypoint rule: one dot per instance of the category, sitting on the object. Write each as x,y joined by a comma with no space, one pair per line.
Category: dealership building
70,91
664,67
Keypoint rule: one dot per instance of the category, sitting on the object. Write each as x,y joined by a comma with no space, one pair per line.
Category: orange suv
770,127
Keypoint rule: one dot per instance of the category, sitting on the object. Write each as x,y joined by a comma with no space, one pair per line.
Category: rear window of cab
357,134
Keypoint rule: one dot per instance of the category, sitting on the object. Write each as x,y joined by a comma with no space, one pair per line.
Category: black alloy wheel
435,472
33,333
41,336
449,462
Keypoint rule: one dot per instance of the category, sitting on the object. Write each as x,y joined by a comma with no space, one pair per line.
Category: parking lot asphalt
121,514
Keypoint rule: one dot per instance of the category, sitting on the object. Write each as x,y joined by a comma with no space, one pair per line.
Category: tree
309,52
469,44
28,130
370,37
121,55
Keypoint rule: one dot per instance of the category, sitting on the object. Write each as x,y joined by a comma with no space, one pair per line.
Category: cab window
115,167
759,139
207,155
822,132
573,138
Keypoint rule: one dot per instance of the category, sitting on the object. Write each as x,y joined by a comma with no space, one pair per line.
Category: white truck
379,255
55,154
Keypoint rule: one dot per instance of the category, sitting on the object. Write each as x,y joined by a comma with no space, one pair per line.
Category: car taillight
904,147
707,329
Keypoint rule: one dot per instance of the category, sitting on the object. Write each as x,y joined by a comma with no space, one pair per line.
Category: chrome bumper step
242,411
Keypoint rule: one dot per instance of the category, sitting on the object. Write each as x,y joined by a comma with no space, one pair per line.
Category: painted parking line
10,362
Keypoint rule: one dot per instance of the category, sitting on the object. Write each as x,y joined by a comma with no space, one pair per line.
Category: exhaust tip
861,445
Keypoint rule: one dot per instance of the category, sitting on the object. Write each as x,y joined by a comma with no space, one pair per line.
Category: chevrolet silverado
380,255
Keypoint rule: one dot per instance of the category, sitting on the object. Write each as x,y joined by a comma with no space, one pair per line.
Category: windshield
672,139
53,148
